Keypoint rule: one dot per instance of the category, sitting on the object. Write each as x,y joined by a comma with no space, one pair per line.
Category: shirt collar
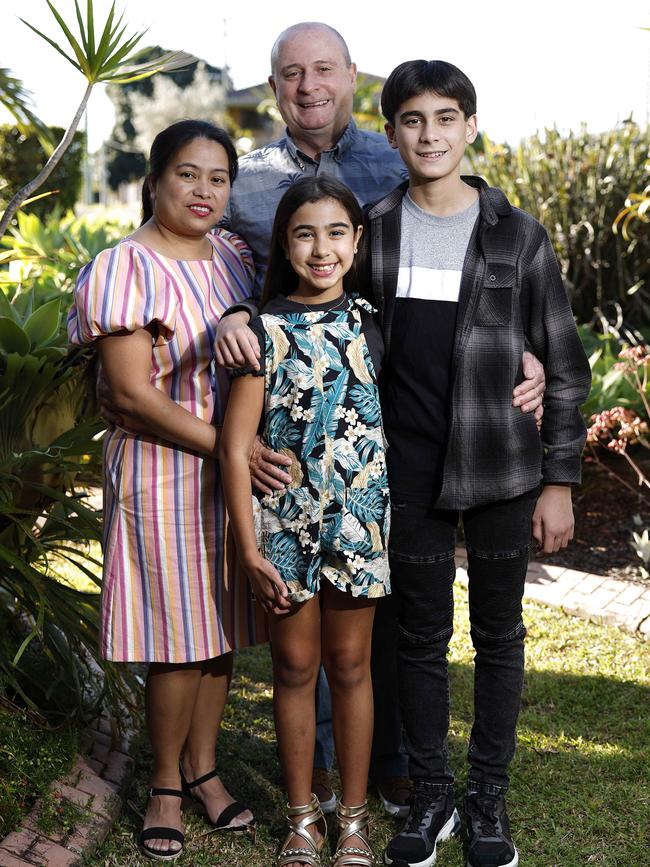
342,145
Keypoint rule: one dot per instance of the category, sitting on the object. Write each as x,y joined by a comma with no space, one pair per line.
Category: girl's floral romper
321,408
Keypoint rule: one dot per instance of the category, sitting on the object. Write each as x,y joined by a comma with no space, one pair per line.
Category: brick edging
98,784
613,601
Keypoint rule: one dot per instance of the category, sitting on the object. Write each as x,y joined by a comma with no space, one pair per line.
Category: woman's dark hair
167,144
415,77
281,279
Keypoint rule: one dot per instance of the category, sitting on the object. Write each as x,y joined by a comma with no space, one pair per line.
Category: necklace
310,307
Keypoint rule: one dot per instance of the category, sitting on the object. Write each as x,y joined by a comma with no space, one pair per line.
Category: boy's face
431,133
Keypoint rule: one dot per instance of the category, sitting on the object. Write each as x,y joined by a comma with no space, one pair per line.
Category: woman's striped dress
172,591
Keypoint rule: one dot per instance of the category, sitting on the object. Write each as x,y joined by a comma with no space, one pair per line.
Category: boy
463,281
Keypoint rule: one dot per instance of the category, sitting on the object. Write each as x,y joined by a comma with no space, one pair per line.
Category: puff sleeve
121,290
235,262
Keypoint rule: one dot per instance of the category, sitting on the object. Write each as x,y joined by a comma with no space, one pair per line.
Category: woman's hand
236,345
270,590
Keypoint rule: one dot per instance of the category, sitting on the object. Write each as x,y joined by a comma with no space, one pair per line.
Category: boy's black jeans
498,538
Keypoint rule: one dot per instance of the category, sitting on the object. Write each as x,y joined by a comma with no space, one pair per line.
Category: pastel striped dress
172,591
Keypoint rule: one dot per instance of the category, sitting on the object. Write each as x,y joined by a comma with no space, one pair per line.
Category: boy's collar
492,202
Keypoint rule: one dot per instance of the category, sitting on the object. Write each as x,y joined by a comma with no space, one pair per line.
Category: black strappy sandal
162,833
224,818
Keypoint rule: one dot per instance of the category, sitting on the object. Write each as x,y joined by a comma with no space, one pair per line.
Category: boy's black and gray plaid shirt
511,298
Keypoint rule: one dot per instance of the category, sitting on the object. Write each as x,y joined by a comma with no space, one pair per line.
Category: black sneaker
488,829
432,819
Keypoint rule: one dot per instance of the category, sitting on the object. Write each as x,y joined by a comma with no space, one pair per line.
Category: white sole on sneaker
451,827
328,807
397,811
513,863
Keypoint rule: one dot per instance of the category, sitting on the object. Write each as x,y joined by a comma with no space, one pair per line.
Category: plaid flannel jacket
511,298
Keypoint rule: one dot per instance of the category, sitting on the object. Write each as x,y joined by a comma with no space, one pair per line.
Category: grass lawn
579,781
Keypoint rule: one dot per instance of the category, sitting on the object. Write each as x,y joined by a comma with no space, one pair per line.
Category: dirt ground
604,510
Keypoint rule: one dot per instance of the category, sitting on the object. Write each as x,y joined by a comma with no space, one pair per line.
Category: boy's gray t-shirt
432,253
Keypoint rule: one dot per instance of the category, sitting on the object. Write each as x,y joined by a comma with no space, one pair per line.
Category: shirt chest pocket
495,305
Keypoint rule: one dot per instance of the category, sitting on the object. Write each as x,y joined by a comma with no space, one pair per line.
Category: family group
315,362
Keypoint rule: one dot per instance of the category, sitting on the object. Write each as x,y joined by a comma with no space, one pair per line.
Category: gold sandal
299,819
353,821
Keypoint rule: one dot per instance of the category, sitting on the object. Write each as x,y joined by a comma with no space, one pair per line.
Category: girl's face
191,195
321,243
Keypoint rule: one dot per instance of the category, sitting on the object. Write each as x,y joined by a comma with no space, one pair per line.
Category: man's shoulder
268,155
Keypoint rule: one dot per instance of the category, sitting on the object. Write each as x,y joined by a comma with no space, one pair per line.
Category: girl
170,593
318,561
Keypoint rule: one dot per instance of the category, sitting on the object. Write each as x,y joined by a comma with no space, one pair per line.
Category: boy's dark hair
414,77
281,279
167,144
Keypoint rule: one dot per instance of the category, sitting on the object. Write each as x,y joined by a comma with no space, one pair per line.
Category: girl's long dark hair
167,144
281,279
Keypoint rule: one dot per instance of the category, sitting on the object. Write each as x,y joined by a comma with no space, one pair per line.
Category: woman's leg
346,643
200,746
170,695
296,643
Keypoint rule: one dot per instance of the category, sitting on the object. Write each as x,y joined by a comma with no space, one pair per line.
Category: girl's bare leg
346,642
296,659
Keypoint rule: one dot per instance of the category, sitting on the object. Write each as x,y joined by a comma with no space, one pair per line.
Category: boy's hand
529,394
553,518
236,345
264,474
270,590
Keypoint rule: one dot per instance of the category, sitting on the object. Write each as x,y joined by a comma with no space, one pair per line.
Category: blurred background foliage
21,157
576,185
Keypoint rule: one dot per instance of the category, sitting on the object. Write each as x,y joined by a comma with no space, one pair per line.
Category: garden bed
604,510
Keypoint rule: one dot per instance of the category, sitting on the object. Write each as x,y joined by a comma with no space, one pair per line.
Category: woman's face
191,195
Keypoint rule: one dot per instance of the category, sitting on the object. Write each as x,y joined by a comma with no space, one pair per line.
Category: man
314,79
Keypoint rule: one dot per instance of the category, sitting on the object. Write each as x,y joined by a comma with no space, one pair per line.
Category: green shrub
22,157
576,186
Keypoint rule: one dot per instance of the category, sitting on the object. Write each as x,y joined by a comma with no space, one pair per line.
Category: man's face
312,84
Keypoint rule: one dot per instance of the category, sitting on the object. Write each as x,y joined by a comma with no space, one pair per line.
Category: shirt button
492,278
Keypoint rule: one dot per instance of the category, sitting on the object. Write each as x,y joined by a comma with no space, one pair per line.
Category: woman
170,593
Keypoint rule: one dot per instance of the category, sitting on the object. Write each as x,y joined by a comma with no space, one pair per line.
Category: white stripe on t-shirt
428,284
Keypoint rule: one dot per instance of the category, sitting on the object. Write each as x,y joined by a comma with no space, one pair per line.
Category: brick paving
98,782
592,597
96,786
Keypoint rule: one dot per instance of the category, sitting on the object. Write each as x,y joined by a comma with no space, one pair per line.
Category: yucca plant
575,184
99,59
48,453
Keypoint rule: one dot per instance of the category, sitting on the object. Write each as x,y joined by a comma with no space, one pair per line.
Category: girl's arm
243,413
126,363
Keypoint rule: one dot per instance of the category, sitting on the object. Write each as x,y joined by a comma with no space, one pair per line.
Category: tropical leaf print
284,551
364,398
366,504
345,454
279,342
356,356
281,432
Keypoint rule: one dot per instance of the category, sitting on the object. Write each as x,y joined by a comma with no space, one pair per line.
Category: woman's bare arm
126,363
